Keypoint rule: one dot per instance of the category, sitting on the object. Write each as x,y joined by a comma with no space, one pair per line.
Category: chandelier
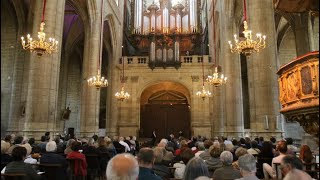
122,95
215,79
40,46
203,93
98,81
248,45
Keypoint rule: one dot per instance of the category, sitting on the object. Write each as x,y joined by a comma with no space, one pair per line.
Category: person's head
235,142
183,143
226,157
28,148
305,154
241,151
31,141
229,147
261,139
242,141
25,140
186,155
214,151
254,144
290,162
158,155
121,138
247,164
19,153
76,146
47,133
201,146
95,137
195,167
146,157
43,138
122,166
8,138
4,147
273,139
51,146
101,142
91,142
266,148
70,141
282,146
18,140
289,141
207,143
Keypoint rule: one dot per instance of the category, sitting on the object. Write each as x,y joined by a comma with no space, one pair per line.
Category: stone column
42,91
302,33
230,121
262,68
90,96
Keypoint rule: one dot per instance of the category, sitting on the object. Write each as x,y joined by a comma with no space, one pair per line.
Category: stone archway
165,107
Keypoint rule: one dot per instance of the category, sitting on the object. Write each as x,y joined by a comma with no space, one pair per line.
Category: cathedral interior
166,65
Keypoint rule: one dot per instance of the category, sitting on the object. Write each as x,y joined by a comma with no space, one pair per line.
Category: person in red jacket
76,154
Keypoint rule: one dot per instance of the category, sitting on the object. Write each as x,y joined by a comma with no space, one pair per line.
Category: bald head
122,167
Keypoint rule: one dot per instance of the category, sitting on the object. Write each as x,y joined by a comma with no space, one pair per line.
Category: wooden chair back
71,169
13,176
51,170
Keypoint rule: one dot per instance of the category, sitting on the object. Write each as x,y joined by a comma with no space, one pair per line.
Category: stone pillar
42,90
302,33
230,121
90,96
262,68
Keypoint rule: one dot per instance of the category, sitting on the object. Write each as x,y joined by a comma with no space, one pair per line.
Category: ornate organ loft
164,30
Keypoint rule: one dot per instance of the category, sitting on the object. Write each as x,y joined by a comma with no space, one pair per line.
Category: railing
185,60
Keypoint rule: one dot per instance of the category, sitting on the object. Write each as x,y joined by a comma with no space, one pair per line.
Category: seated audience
110,147
214,162
254,150
146,159
183,144
239,152
91,148
168,155
274,142
247,164
18,166
196,167
291,168
122,166
226,171
75,154
51,157
43,143
159,168
290,145
271,170
180,166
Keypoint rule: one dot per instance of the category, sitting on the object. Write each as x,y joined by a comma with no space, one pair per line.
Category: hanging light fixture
122,95
98,81
40,46
203,93
248,45
215,80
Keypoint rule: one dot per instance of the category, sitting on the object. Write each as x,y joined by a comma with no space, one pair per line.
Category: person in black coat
154,137
51,157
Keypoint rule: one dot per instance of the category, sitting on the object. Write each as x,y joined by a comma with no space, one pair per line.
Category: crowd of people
180,158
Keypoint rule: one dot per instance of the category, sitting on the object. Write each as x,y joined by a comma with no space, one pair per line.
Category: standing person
154,137
146,158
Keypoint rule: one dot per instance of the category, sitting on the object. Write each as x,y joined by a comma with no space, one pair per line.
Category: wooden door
166,119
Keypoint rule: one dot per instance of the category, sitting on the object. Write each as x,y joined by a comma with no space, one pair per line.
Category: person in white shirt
28,158
271,170
127,148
